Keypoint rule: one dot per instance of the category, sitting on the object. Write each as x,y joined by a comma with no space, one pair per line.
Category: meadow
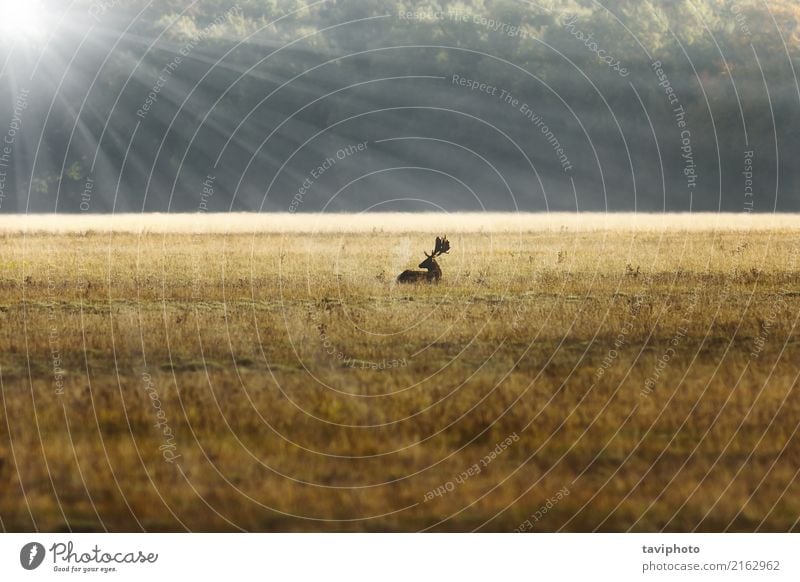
568,373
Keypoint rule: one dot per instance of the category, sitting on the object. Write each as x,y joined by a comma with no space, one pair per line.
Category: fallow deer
433,272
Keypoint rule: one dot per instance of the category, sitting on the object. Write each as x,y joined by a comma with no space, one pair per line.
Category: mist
376,106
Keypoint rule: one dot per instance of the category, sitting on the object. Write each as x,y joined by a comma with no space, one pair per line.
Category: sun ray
22,19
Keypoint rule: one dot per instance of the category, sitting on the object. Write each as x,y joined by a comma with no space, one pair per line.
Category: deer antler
442,246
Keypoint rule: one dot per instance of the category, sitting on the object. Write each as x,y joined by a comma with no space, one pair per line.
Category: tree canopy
132,105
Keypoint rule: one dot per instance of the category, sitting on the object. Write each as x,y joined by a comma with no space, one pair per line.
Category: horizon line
396,222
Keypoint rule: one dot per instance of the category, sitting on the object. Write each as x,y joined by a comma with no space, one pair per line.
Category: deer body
432,275
432,272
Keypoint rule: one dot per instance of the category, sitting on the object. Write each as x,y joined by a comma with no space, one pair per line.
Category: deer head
442,247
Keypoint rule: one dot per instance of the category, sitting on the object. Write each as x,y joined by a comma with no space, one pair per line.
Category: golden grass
651,373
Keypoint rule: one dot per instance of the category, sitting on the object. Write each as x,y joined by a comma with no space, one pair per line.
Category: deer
433,272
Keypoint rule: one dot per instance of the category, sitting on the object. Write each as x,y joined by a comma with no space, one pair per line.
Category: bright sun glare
21,18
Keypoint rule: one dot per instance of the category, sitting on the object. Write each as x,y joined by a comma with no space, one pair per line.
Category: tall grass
649,371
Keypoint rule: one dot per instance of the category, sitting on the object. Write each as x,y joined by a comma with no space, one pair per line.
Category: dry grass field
559,378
